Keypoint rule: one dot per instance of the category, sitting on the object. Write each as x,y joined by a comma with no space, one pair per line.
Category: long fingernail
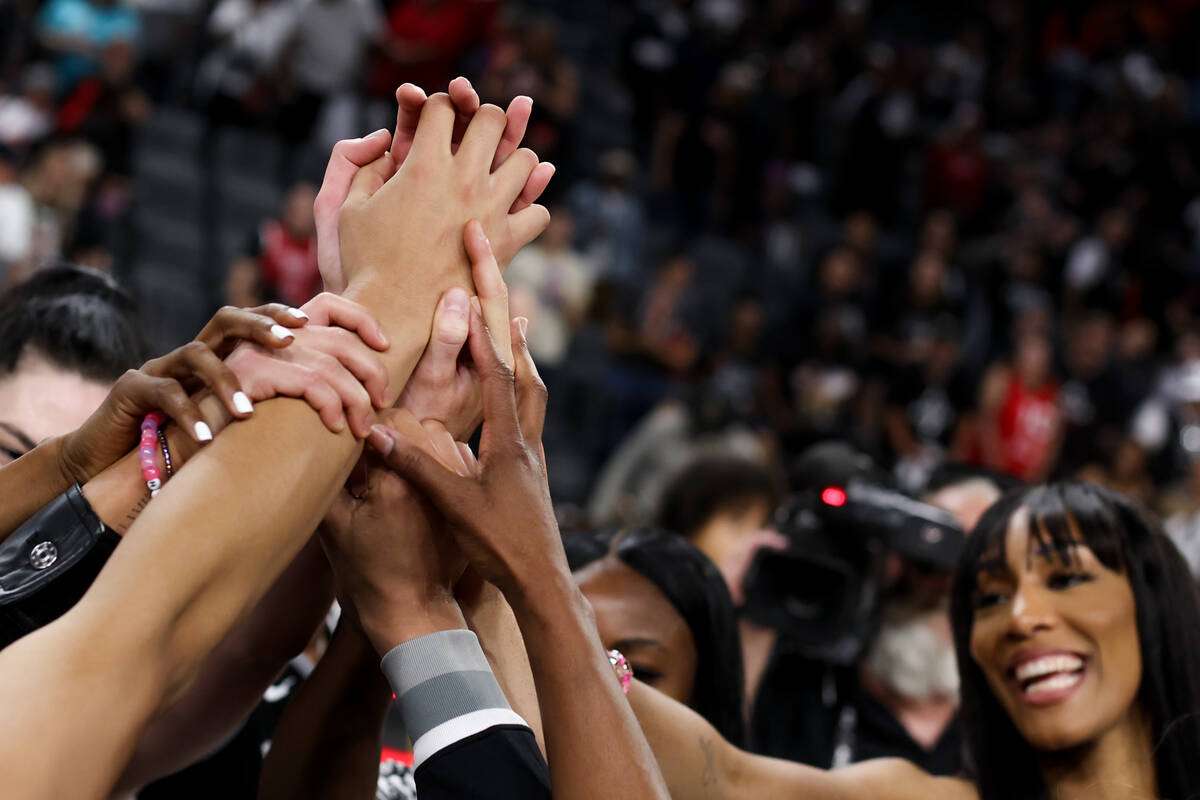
380,439
297,313
522,325
242,403
203,432
281,333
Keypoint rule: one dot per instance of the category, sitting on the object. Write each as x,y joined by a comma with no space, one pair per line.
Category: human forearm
186,571
29,483
327,744
594,746
233,677
489,615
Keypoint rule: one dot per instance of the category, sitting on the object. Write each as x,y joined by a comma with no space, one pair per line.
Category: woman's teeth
1054,683
1048,665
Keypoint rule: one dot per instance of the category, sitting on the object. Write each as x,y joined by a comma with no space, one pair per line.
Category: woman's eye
645,674
1065,580
988,599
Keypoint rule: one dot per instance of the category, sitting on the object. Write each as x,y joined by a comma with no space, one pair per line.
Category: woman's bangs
1061,518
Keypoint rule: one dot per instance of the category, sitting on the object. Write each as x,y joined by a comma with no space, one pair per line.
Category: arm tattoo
709,776
123,527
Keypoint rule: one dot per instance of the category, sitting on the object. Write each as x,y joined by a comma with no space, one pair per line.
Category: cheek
986,634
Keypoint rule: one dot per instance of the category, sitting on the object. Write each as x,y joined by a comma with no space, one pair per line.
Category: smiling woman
1078,632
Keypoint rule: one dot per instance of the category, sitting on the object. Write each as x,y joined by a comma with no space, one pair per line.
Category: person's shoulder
900,779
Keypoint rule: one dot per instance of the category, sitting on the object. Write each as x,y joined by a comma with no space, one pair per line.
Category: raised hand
165,383
332,365
349,155
390,559
443,387
500,512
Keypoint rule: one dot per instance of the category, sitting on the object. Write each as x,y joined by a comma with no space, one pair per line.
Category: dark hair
79,318
952,473
1124,538
709,486
696,589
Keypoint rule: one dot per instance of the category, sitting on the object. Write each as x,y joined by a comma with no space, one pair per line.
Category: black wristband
48,563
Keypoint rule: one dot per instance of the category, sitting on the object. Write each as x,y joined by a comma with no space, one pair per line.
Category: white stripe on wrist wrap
446,690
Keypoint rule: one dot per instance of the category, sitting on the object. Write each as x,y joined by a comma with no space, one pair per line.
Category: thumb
441,487
370,179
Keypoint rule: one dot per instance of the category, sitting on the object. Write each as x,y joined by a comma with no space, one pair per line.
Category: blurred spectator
929,409
550,283
280,262
1094,405
78,32
59,177
16,218
818,356
1182,506
1020,420
26,117
529,62
722,505
609,217
237,78
324,61
107,109
426,40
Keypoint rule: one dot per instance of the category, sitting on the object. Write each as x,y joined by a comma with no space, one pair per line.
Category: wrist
388,622
70,466
554,602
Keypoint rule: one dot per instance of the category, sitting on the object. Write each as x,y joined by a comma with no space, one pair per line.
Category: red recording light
833,496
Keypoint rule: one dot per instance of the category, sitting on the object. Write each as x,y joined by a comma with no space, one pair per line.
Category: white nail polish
242,403
297,313
203,432
281,333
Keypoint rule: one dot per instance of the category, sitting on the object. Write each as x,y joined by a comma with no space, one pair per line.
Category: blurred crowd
938,231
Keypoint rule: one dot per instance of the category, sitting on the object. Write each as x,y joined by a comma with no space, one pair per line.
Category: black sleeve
48,563
498,763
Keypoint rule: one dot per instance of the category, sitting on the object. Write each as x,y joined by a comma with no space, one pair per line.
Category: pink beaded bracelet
621,666
148,451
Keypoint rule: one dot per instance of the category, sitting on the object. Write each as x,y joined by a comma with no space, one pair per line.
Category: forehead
627,604
43,400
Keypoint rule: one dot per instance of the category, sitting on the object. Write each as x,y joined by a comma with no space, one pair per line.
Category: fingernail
242,403
384,339
203,432
281,333
457,301
522,325
376,134
380,439
475,305
297,313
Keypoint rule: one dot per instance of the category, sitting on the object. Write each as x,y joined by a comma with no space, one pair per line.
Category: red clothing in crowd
1028,425
288,264
434,37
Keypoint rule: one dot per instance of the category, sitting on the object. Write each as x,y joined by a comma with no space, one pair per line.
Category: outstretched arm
700,765
111,431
